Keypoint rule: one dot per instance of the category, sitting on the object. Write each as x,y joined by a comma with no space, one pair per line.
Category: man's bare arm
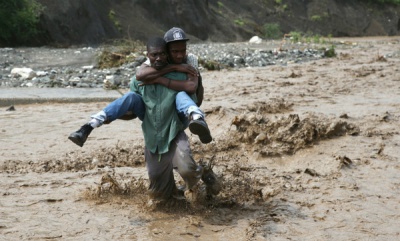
147,73
189,85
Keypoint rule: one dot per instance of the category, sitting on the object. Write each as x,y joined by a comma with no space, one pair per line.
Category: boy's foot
79,137
199,127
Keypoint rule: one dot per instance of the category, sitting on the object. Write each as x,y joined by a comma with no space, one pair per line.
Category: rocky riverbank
77,67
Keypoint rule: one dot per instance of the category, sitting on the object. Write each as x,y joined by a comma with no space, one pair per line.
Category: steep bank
68,22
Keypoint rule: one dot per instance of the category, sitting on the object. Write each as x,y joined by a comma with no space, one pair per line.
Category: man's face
177,51
157,57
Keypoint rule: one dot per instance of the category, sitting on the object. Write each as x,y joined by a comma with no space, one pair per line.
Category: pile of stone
15,70
247,55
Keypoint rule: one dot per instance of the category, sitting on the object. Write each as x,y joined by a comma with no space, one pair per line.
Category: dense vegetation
18,21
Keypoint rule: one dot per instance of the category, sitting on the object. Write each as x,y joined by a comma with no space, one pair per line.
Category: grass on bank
120,52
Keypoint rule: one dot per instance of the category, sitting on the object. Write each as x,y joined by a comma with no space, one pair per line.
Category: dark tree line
18,21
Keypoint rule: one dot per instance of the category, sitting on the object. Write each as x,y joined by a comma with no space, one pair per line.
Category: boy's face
157,57
177,52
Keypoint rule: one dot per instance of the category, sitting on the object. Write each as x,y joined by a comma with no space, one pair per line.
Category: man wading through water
169,148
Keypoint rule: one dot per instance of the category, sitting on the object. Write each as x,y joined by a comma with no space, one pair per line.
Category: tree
18,21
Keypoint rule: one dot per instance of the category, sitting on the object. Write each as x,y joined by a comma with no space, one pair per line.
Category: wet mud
303,152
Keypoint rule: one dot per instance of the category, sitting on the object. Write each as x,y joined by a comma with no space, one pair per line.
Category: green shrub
330,52
19,21
117,24
316,18
239,22
317,39
272,30
296,36
280,6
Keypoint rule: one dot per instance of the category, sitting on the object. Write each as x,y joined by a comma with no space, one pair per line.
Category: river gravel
77,67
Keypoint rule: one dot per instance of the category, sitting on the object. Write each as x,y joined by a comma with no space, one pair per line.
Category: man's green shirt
161,123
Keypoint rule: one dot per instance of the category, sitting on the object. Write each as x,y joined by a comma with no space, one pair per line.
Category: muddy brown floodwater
305,152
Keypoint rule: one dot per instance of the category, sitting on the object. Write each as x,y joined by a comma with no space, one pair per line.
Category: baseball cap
175,34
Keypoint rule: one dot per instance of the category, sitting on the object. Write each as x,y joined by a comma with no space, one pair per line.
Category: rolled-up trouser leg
186,106
160,169
183,161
